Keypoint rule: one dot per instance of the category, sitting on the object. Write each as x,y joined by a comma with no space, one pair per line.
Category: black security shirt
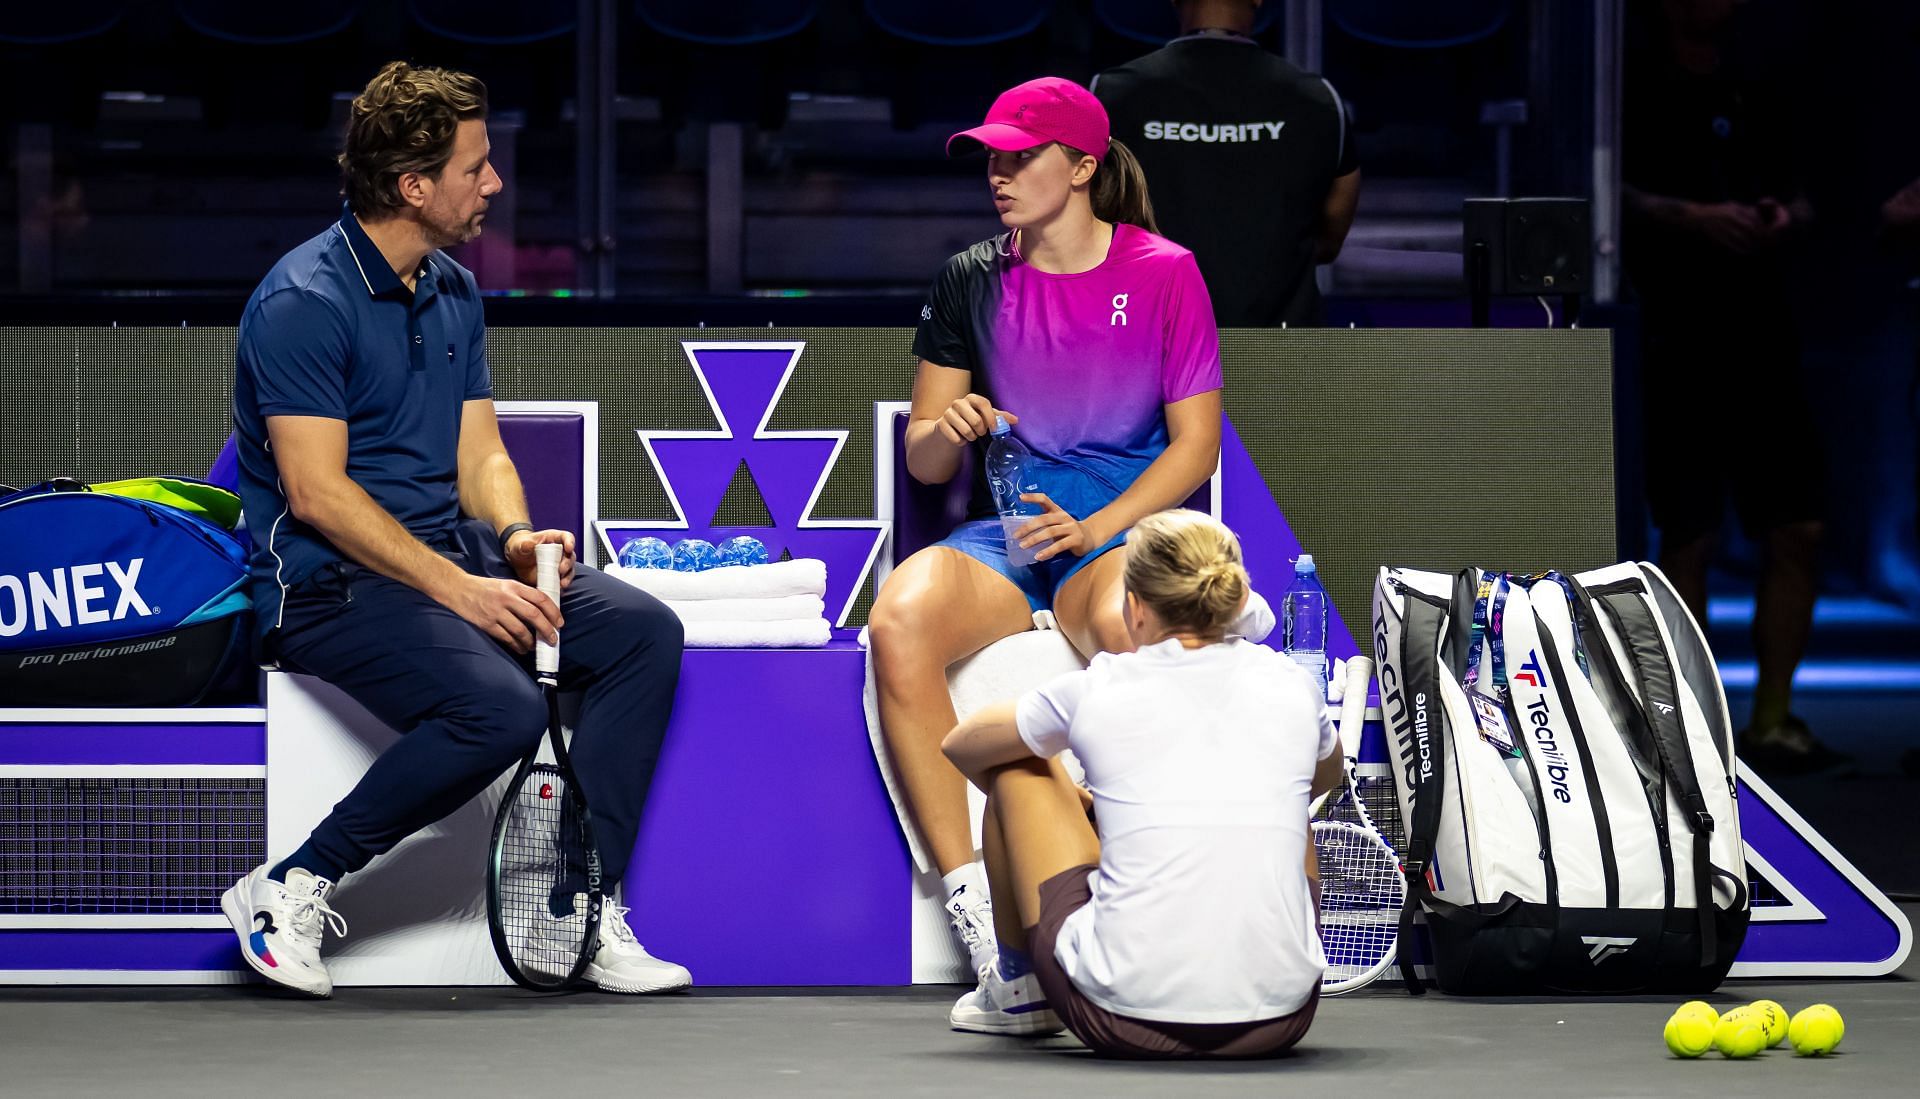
1240,148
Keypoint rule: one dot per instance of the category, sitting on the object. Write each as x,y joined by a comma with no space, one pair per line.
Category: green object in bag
210,502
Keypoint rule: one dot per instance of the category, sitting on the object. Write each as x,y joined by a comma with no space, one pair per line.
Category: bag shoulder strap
1423,655
1625,605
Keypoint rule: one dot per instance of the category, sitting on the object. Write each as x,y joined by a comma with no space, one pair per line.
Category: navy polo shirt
332,331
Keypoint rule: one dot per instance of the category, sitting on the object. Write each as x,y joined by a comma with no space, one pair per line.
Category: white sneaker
621,964
971,911
281,925
1000,1006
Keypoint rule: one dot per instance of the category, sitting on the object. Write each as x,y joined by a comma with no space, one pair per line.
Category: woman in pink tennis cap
1093,337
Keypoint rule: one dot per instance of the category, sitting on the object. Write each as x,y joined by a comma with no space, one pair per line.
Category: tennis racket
543,871
1361,887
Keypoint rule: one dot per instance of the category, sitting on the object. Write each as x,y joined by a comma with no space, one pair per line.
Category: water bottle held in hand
1009,474
1304,621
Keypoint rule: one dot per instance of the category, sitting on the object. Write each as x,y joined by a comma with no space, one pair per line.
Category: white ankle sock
969,877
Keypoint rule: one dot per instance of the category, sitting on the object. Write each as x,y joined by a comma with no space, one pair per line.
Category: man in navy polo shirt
392,553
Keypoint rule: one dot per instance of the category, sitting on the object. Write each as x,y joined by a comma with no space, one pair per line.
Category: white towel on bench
791,633
772,608
801,576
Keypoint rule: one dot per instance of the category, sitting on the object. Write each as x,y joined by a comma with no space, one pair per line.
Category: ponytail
1120,188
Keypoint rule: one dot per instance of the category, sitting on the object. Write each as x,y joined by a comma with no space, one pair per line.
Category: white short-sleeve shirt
1200,762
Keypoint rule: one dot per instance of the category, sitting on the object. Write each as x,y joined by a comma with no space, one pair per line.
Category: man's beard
443,236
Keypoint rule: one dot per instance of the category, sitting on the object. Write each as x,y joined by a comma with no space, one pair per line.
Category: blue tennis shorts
1081,494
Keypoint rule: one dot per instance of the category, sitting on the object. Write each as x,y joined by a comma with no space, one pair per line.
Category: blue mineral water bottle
646,553
1009,474
693,555
742,550
1304,621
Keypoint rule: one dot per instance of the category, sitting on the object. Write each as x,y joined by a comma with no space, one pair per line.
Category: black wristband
512,529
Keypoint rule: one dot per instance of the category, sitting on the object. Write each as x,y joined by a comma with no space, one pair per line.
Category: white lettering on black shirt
1213,132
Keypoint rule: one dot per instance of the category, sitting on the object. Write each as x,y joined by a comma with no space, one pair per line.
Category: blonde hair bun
1187,567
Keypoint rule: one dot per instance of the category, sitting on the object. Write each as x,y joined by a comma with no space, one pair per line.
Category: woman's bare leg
1089,606
937,607
1042,829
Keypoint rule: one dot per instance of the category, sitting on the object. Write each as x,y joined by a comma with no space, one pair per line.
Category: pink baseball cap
1051,108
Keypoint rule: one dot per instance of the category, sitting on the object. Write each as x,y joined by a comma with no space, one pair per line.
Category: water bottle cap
1000,425
1304,563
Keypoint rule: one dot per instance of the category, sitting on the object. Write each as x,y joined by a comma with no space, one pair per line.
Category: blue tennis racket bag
110,600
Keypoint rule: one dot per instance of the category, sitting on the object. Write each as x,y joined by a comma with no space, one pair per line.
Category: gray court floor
432,1042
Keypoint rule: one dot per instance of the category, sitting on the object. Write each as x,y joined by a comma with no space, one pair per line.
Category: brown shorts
1121,1036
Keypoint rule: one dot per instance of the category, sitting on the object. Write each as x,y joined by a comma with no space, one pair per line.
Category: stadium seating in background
719,62
523,51
1419,24
53,58
946,62
256,62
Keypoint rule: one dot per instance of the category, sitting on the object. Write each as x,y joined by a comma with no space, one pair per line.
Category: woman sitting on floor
1185,927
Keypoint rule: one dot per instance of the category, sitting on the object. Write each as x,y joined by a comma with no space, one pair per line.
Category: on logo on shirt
1119,317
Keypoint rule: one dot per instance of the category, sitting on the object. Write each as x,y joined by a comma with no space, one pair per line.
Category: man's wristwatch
512,529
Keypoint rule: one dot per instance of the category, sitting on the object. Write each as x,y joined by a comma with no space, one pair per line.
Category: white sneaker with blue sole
281,925
1001,1006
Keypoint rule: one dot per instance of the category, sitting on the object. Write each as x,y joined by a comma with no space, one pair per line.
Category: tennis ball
1738,1035
1689,1034
1816,1030
1775,1019
1701,1008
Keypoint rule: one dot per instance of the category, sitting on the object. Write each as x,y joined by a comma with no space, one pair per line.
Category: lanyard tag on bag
1489,614
1491,716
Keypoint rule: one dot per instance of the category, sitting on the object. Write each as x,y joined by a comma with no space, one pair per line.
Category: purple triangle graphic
1861,928
786,471
698,471
743,382
786,467
1266,539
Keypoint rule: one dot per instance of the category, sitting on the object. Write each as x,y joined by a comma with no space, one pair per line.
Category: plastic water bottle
646,553
1304,621
742,550
1009,474
693,555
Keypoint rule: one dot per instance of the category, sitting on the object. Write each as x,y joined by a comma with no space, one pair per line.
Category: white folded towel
770,609
790,633
801,576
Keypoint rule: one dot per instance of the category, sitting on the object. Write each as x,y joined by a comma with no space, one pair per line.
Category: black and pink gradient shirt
1088,361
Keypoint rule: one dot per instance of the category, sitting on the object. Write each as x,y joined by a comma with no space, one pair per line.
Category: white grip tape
1353,705
546,574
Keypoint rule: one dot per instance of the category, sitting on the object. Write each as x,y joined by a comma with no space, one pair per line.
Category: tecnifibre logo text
66,596
1412,736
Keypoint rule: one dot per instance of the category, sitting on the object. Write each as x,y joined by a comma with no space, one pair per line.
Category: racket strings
1361,892
542,859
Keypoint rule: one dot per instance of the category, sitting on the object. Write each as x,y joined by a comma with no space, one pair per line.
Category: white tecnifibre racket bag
1565,770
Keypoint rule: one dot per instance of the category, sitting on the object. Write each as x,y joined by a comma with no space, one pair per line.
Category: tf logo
1530,671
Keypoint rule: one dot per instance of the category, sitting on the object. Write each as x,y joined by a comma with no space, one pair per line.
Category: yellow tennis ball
1688,1034
1775,1018
1738,1035
1816,1030
1701,1008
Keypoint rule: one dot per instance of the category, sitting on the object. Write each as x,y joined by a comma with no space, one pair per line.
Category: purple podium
768,853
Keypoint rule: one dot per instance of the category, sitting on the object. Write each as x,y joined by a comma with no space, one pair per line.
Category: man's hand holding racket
520,551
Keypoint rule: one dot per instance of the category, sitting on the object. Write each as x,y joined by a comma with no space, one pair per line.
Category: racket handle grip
546,574
1353,704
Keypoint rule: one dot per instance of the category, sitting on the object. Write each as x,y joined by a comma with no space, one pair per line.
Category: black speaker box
1531,245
